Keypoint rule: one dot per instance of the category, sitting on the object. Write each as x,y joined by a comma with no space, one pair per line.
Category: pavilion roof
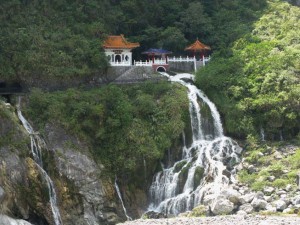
119,42
156,51
197,46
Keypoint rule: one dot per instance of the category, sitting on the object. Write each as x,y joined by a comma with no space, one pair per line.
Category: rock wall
96,194
187,67
22,195
85,195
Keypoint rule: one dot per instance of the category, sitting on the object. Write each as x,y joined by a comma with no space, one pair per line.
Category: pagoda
118,50
197,46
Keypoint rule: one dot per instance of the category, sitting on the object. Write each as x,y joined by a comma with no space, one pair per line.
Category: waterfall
206,165
121,200
262,134
36,146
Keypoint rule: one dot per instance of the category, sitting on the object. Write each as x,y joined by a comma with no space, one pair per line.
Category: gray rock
232,195
271,178
258,203
269,190
278,155
269,198
251,169
222,207
247,208
288,210
80,168
288,187
260,154
296,200
270,208
281,192
241,213
280,205
247,198
5,220
208,199
2,193
259,195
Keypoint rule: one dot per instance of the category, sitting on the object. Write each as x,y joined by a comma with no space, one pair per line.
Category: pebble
220,220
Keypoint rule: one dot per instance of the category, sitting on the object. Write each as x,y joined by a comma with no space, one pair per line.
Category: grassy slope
259,85
123,125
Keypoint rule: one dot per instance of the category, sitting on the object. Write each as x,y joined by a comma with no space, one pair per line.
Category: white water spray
121,200
262,134
204,168
36,146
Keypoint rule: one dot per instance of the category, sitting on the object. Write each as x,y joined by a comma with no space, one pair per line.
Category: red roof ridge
197,46
119,41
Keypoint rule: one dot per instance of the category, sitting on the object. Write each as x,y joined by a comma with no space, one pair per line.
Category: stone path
221,220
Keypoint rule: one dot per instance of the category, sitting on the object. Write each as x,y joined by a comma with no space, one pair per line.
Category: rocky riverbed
221,220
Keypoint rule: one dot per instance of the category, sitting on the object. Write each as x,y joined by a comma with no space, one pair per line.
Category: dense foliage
253,77
258,85
123,125
62,38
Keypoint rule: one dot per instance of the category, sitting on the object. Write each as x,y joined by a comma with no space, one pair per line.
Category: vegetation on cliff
125,126
61,39
257,84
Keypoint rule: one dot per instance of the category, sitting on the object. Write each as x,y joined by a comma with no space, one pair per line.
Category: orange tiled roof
119,42
197,46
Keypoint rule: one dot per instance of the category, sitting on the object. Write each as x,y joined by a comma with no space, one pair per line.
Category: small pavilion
159,58
197,46
118,50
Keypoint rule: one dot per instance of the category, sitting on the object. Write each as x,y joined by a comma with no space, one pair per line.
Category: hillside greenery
62,38
124,126
257,86
253,76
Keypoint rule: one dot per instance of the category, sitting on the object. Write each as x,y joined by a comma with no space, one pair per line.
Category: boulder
270,209
232,195
280,205
288,211
241,213
269,198
296,200
251,169
208,199
258,203
259,195
269,190
5,220
247,198
288,187
247,208
222,207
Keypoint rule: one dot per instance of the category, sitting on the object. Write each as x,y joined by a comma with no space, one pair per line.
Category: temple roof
155,51
119,42
197,46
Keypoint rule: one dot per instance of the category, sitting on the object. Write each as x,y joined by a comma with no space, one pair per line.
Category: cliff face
84,196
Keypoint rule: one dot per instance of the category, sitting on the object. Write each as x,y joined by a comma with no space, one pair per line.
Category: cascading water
121,200
36,146
205,165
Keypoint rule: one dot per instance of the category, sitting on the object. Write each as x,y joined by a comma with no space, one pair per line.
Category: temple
118,50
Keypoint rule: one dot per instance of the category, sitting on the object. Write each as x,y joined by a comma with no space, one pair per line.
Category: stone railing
123,63
181,59
150,63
